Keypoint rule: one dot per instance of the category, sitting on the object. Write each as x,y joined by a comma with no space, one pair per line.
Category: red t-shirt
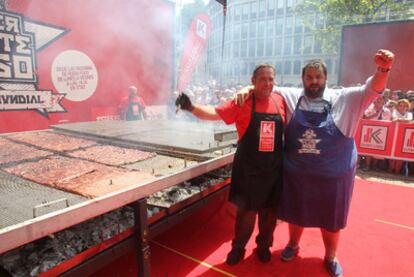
240,115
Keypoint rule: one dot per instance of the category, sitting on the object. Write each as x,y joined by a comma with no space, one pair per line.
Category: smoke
130,42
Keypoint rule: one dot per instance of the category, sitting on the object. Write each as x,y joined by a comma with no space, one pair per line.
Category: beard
314,91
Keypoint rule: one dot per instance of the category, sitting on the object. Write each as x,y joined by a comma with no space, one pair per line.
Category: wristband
383,69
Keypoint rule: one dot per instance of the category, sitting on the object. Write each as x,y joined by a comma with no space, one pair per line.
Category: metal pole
222,44
141,234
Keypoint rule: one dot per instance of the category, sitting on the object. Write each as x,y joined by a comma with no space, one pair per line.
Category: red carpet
378,241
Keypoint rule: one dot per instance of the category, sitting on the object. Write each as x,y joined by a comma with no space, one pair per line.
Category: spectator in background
376,111
395,95
133,106
390,105
400,114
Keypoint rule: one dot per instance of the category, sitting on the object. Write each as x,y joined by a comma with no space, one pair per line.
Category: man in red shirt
257,165
133,106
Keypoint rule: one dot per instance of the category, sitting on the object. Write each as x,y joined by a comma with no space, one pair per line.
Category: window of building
237,12
278,67
253,26
289,25
298,25
253,10
317,46
262,8
287,68
270,25
243,48
270,7
236,32
252,48
236,69
244,30
261,29
269,47
320,21
279,26
245,68
279,6
236,46
287,46
289,6
297,44
309,22
252,67
328,63
297,67
278,46
260,47
245,12
307,44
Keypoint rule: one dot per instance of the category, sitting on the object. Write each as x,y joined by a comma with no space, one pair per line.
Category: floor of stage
378,241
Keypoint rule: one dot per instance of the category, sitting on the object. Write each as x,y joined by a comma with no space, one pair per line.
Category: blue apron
256,178
319,171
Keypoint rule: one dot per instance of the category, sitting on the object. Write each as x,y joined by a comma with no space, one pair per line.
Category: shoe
264,254
334,268
289,253
235,256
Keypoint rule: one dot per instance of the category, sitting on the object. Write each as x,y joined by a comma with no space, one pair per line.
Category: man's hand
384,59
183,102
242,95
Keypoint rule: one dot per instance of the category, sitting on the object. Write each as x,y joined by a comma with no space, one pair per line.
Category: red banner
386,139
195,43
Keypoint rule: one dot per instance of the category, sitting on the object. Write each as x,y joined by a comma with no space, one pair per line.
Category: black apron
257,175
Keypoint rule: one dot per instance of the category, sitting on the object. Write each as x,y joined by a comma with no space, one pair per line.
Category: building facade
258,31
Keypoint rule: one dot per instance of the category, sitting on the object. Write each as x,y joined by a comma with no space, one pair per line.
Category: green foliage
331,15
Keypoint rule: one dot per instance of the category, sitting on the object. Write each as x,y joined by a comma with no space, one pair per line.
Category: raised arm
384,60
183,102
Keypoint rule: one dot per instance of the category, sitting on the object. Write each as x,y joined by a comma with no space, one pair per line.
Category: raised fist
183,102
384,58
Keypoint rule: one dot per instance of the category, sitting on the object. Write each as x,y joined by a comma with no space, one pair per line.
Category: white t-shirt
348,104
397,115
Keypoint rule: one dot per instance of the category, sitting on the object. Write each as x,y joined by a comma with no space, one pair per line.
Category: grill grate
18,197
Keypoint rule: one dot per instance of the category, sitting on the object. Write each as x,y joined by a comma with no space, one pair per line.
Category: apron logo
267,136
20,40
309,142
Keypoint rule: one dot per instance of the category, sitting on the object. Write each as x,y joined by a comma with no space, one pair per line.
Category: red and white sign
386,139
404,145
267,136
194,46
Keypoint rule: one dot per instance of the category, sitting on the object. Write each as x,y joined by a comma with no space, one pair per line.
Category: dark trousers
245,221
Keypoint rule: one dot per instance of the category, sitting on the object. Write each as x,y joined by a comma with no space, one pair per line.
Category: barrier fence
393,140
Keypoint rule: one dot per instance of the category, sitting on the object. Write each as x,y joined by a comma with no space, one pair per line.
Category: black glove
183,102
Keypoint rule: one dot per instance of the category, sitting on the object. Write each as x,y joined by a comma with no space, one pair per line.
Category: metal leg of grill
141,234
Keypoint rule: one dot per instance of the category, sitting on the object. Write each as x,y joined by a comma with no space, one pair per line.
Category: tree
331,15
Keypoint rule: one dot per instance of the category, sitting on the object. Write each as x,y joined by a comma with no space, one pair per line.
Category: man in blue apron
320,154
257,171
